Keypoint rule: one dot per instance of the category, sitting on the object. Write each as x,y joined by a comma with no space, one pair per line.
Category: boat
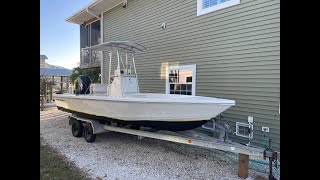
120,101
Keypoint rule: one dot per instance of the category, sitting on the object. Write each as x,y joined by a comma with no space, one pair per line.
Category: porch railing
90,59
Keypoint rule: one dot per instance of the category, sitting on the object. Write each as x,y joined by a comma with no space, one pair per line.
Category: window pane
95,33
83,36
171,86
244,130
183,87
209,3
189,87
175,87
184,75
173,79
241,130
189,79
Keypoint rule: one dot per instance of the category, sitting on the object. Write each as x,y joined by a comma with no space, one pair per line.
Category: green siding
236,50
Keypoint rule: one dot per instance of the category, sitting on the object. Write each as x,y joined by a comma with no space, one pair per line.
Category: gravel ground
119,156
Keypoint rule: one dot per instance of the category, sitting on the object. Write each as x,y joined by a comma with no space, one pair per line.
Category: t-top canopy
122,45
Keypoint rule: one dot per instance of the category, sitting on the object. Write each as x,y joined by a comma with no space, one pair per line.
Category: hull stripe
74,111
160,125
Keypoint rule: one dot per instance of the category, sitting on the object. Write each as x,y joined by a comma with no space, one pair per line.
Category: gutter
87,9
83,9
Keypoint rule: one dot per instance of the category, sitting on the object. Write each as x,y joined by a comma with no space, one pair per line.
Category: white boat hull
146,109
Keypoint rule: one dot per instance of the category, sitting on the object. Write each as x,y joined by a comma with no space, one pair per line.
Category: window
95,33
207,6
90,35
244,130
181,80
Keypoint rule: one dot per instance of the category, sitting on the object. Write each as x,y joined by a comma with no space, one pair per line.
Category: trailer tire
77,128
88,133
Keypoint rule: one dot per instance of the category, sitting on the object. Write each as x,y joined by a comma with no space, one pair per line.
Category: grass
54,166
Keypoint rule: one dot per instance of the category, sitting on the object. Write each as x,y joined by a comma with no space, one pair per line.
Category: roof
122,45
43,56
54,71
93,9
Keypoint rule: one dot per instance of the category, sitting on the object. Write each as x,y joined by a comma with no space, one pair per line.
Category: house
43,60
59,75
222,48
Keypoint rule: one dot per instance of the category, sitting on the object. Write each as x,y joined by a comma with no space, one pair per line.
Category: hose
265,141
253,161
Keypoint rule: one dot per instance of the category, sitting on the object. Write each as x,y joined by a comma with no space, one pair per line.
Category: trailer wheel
77,128
88,133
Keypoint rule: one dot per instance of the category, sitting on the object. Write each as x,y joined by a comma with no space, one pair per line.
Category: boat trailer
88,128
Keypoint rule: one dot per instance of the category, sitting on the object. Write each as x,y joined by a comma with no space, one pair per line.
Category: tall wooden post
67,83
243,165
46,93
50,93
61,83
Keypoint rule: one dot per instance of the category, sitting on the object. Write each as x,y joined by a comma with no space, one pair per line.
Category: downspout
102,63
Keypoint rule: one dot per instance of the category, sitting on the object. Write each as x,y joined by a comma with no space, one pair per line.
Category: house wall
236,50
42,62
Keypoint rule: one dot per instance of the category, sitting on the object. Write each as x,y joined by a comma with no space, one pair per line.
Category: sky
60,40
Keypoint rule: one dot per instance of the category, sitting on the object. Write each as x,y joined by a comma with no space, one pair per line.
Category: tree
92,73
45,82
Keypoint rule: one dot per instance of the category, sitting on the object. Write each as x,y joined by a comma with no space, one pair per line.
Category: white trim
223,5
112,7
91,22
101,37
194,72
194,69
101,29
167,80
82,10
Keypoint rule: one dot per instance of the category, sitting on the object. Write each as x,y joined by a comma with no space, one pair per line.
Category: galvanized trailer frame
184,138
